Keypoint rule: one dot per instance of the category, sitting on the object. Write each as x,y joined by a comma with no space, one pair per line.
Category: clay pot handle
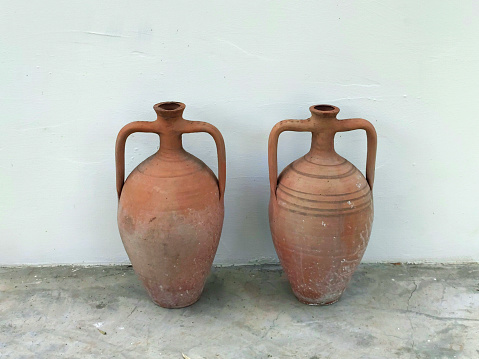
362,124
139,126
286,125
198,126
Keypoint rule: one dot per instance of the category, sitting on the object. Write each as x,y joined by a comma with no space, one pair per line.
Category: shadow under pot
321,207
171,209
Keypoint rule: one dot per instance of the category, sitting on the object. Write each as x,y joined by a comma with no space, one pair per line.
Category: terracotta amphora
321,207
171,208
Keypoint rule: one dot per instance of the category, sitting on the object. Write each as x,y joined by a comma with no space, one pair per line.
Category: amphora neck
169,114
324,118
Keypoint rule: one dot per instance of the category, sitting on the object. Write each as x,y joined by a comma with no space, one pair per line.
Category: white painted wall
72,74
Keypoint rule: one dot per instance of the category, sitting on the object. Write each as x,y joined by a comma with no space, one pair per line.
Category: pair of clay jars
171,208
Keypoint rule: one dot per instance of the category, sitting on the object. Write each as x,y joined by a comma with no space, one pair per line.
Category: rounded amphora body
170,214
321,209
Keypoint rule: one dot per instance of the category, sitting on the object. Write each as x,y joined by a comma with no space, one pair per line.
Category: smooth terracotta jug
321,207
171,209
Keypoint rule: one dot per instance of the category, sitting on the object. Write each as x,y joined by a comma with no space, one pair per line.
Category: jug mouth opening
169,108
324,107
324,110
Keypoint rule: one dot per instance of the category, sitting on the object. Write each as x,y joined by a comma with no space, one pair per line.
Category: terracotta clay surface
321,207
171,209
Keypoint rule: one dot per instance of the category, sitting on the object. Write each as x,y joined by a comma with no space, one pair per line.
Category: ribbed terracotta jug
171,209
321,207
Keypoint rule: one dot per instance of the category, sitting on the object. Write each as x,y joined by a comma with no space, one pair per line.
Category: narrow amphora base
167,298
322,301
168,305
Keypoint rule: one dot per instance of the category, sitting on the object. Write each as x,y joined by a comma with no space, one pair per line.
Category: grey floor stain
388,311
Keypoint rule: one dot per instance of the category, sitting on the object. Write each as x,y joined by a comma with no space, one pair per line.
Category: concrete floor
388,311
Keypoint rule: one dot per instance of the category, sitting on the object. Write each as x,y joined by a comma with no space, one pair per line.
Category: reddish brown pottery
321,207
171,209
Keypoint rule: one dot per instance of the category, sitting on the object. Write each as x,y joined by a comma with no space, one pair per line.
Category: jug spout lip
169,109
324,110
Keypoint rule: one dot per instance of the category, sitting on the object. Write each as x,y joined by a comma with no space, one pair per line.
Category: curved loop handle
362,124
199,126
286,125
138,126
